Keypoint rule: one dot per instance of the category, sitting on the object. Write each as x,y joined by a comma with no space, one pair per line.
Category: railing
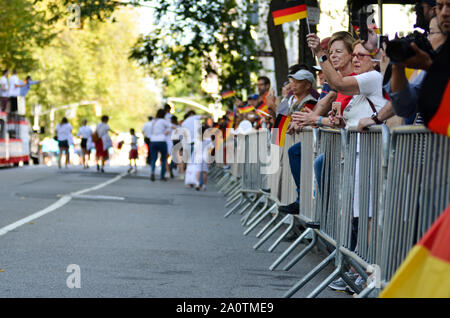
371,198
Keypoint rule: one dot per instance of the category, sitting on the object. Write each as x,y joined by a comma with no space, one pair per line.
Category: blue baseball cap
254,96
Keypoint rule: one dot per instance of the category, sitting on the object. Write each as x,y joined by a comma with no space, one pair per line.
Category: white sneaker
203,187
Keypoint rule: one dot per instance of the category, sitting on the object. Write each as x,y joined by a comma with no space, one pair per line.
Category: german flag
279,129
289,11
245,109
263,107
227,94
434,96
425,273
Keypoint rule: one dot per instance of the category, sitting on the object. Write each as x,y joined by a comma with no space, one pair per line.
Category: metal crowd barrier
418,190
394,185
308,139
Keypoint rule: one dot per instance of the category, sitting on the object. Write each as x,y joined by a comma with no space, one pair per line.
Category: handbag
94,136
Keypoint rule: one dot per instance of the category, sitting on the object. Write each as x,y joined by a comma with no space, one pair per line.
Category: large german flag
279,129
289,11
434,96
425,273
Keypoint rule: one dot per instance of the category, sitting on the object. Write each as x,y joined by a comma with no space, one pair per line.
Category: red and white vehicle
14,139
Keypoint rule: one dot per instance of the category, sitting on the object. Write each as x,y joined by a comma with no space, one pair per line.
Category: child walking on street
133,151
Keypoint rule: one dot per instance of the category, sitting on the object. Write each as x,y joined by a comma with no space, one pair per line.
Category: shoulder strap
371,105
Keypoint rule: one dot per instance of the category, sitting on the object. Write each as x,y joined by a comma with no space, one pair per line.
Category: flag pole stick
309,32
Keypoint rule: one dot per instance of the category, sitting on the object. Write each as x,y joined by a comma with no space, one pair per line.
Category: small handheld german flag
245,109
279,129
289,11
227,94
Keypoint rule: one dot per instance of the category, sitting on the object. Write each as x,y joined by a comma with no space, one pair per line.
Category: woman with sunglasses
367,100
366,86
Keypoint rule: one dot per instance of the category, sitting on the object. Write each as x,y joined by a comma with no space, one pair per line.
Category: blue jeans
318,169
161,147
295,156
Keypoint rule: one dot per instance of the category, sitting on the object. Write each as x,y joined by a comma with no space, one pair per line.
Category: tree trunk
276,36
304,52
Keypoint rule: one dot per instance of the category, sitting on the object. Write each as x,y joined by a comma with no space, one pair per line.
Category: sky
331,20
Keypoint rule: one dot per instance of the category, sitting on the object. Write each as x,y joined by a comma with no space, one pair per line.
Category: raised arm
347,85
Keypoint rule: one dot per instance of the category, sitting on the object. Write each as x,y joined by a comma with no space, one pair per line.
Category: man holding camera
404,94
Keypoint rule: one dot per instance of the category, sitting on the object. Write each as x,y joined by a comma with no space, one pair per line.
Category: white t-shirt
158,128
134,141
64,132
4,82
370,87
191,123
146,129
13,90
102,129
84,132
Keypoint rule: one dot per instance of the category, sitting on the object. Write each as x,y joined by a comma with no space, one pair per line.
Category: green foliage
22,28
215,32
93,64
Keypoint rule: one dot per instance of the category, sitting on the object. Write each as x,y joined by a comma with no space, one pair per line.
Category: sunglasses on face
360,56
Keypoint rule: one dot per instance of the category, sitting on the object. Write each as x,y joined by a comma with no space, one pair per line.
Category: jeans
318,170
161,147
295,156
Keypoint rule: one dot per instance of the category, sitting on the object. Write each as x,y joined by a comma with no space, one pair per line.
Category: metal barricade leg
258,214
272,220
310,275
261,218
234,208
282,236
326,282
305,251
249,213
271,232
290,249
233,199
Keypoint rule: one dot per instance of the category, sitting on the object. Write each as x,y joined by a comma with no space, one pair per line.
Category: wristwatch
323,58
375,119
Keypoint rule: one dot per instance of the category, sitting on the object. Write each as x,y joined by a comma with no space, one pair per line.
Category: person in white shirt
64,135
133,155
159,129
103,143
146,133
85,133
4,90
14,90
168,117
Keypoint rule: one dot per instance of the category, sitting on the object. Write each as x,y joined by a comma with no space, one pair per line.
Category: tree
276,37
22,28
93,64
216,32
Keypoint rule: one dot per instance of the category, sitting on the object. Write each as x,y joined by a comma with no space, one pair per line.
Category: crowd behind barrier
378,193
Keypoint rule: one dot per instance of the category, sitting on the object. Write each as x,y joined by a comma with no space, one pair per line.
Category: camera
399,49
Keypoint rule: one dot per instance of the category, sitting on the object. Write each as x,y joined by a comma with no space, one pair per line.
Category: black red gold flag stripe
289,11
279,129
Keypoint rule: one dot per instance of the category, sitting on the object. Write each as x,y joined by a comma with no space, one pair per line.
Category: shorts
13,100
133,154
5,101
84,143
63,144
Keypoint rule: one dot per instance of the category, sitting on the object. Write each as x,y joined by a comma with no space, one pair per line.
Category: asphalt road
131,238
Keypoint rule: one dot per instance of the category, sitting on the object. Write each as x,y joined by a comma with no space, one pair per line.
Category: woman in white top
64,135
159,130
103,143
85,132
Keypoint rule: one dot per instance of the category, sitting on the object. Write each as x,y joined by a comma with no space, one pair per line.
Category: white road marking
98,197
58,204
